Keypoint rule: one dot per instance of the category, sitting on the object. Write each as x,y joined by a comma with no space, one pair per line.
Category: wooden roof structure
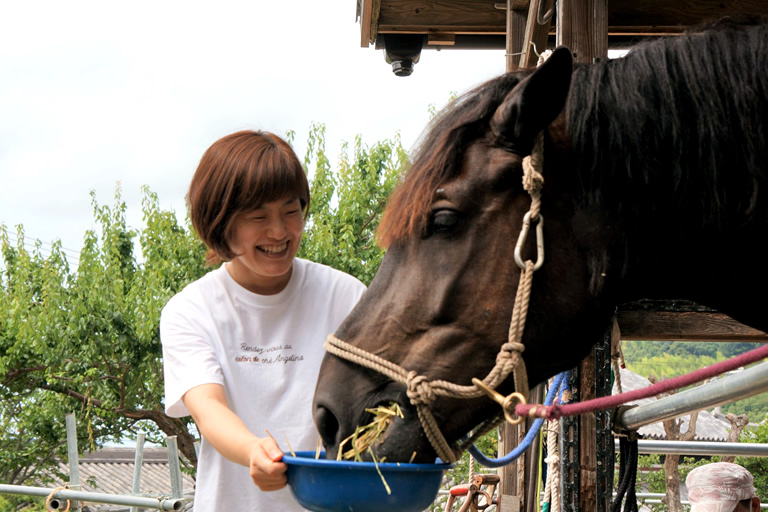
587,27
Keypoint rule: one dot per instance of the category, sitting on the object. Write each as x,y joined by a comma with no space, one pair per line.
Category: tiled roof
110,470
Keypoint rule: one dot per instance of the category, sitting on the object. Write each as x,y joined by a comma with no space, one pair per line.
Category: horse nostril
328,427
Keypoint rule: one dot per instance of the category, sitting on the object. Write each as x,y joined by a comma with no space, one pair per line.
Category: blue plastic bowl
325,485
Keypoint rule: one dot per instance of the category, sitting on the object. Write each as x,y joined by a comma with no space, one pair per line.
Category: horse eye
444,220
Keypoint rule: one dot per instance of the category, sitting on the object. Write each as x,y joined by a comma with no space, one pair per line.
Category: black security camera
402,51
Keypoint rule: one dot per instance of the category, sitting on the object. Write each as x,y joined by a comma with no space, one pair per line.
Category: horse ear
534,103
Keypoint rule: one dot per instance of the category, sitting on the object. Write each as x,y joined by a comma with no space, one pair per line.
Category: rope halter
421,391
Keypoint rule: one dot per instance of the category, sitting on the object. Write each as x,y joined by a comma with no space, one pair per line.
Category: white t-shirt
266,352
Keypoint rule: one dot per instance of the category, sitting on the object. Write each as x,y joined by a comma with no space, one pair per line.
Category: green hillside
666,359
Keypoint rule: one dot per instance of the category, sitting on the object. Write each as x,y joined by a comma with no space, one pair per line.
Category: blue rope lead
560,382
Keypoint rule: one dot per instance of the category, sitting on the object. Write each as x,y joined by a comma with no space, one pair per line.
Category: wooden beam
587,436
535,36
516,21
628,18
365,23
653,13
582,26
458,16
441,39
685,326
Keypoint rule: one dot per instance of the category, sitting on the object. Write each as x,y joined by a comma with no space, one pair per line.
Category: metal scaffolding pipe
743,384
763,506
701,448
96,497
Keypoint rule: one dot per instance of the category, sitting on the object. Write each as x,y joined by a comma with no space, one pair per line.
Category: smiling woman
265,242
242,345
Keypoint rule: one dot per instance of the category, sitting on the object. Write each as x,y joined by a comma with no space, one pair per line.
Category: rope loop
50,498
419,389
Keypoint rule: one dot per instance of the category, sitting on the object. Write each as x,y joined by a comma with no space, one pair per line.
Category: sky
100,94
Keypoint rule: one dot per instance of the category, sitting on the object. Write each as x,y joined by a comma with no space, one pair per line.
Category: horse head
440,305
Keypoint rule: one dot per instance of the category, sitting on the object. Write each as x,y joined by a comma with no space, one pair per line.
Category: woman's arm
228,434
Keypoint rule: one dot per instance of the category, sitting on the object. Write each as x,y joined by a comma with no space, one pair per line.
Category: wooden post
582,26
517,14
533,475
536,36
508,485
587,440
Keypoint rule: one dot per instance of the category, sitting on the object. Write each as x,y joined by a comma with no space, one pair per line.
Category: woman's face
265,241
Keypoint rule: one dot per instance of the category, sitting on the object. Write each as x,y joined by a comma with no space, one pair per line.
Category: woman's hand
267,470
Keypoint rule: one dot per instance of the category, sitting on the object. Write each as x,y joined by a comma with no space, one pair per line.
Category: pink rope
609,402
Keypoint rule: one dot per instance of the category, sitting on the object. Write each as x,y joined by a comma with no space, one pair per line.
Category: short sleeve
189,356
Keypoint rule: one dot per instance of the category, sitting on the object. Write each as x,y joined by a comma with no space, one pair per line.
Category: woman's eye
443,220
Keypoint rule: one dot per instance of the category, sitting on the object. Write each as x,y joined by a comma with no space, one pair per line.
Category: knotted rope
421,391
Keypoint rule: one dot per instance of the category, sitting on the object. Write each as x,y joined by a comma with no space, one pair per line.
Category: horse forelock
677,123
438,157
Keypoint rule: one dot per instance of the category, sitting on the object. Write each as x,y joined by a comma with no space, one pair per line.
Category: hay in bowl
323,485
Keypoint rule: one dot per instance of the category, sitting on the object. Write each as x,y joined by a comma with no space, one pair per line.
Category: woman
242,345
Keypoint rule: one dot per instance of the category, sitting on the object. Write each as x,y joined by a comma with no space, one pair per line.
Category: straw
364,437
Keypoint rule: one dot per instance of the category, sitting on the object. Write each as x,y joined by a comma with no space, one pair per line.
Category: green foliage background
666,359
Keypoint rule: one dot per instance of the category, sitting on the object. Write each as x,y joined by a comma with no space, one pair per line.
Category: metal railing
57,497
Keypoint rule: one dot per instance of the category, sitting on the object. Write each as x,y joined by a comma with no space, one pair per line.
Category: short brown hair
237,174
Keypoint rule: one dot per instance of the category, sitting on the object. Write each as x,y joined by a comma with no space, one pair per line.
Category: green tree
87,340
758,466
347,204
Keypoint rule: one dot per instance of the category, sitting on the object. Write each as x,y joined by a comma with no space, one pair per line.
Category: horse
653,183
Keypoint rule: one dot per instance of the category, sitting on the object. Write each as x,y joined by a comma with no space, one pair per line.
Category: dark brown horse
655,187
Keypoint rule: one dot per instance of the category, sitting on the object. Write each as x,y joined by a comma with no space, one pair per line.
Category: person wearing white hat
722,487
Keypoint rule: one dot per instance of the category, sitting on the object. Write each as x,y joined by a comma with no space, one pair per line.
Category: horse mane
675,124
674,127
438,156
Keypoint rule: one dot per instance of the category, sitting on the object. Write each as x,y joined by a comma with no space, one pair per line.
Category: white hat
718,487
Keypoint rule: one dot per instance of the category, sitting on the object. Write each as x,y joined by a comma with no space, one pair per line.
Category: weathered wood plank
459,16
535,36
365,23
587,437
685,326
516,22
659,12
624,17
582,26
